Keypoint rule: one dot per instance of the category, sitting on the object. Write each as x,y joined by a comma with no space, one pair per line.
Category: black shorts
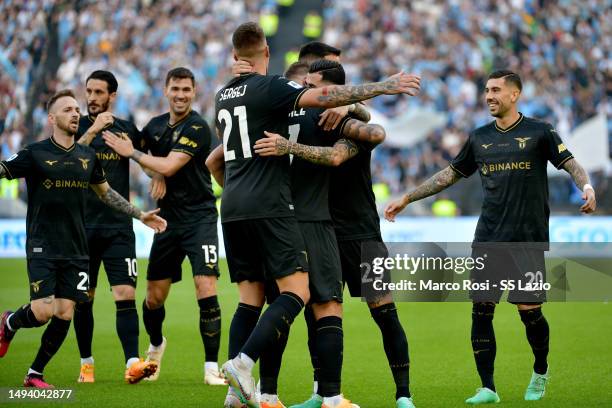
199,242
506,269
264,249
117,249
325,273
356,269
63,278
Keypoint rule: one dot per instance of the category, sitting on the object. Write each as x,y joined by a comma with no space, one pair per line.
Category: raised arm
436,183
276,145
339,95
216,164
581,179
103,120
115,201
166,166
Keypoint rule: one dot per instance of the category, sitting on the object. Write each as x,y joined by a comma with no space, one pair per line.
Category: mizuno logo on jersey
486,146
50,162
187,142
196,127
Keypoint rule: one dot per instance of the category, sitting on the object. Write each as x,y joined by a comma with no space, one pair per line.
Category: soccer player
179,142
511,155
261,234
58,174
313,148
110,236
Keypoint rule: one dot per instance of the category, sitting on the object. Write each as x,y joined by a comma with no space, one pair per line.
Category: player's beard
67,127
102,108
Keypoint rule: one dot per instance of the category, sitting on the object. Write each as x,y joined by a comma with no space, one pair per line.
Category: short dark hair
58,95
296,69
180,73
331,71
248,39
106,76
316,50
508,76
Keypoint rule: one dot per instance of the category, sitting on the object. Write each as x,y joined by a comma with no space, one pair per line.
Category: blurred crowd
562,49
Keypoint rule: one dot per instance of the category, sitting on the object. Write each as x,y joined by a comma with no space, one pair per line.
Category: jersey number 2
225,116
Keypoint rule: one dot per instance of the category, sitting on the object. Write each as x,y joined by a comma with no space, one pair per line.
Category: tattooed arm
581,179
436,183
339,95
360,112
276,145
363,132
332,117
115,201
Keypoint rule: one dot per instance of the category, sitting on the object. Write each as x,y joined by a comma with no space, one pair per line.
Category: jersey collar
59,146
512,126
180,121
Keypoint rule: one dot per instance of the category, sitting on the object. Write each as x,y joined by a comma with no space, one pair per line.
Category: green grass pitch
442,368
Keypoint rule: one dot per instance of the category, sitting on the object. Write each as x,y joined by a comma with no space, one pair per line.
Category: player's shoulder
124,123
537,124
482,130
196,122
159,120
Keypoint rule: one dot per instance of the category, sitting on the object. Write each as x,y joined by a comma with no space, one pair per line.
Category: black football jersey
189,198
512,165
255,186
58,181
309,181
351,199
117,171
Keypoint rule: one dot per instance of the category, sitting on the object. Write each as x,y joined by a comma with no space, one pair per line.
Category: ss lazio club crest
522,141
36,286
84,163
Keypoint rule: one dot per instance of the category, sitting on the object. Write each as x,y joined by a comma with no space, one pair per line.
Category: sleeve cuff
6,169
456,170
564,160
297,100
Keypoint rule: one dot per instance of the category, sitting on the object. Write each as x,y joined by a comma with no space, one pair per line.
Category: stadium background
562,49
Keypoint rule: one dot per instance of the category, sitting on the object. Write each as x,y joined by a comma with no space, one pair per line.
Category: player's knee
483,310
326,309
206,286
521,306
64,313
42,309
124,292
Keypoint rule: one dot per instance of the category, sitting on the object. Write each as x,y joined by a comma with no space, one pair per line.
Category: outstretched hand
395,207
403,83
122,146
153,221
272,145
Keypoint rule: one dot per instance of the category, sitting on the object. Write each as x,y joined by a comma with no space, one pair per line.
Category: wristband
586,187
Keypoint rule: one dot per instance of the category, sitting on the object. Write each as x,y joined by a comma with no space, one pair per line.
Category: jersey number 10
225,116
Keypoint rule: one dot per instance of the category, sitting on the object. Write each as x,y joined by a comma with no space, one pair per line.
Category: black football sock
483,342
270,365
153,320
538,332
395,345
329,349
127,327
210,327
51,341
23,318
84,327
273,324
311,325
244,321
